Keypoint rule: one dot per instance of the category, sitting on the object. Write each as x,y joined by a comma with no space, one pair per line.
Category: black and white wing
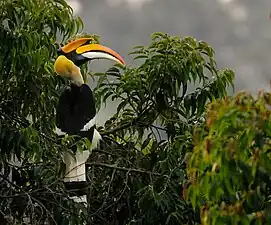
75,114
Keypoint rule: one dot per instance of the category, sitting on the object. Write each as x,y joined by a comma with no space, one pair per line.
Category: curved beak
96,51
78,52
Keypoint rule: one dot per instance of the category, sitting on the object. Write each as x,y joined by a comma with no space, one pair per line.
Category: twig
123,168
126,125
47,211
105,152
116,129
107,194
158,128
121,193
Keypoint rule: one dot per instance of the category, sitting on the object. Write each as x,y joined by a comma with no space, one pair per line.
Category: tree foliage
138,180
229,169
29,93
137,175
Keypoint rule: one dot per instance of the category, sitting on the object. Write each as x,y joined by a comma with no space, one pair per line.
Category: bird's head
78,52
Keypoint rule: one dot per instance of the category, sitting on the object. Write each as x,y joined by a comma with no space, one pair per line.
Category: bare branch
123,168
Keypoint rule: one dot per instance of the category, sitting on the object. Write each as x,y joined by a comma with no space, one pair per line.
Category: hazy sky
238,30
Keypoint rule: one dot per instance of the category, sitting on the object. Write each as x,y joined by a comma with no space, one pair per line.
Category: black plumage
75,109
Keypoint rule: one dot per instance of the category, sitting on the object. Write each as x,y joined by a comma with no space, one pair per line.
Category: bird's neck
78,79
78,83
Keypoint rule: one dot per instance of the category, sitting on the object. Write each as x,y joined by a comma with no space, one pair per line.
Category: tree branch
116,129
123,168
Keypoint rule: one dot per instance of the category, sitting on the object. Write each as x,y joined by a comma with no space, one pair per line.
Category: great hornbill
75,112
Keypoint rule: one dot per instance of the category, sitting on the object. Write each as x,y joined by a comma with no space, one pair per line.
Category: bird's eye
59,51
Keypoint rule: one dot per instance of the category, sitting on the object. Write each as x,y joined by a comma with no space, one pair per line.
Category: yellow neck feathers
66,68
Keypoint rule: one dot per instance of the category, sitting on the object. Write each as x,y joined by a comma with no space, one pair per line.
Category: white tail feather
95,140
75,165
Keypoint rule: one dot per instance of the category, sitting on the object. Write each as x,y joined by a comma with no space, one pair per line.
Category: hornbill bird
75,112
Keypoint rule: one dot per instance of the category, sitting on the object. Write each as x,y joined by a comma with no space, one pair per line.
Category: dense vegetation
229,169
176,151
152,130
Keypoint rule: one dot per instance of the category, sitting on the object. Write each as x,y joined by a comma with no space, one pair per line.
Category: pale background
238,30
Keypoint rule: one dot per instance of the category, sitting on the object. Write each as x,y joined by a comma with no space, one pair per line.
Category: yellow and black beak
80,51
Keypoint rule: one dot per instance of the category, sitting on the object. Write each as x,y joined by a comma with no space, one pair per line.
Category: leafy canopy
136,176
230,167
29,93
